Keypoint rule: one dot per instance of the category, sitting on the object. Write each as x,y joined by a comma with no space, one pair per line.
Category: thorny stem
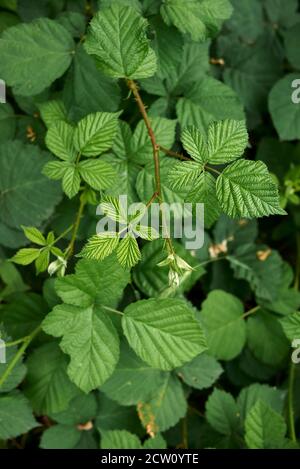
70,248
13,363
135,91
155,195
180,156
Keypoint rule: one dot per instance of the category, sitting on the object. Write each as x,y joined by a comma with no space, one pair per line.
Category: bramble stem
70,248
180,156
292,430
18,355
135,91
133,87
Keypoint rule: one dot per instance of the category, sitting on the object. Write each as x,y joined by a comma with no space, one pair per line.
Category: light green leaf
246,189
71,181
55,169
59,140
128,57
95,352
158,442
202,372
26,256
89,336
95,133
97,173
41,263
34,55
53,112
16,416
204,192
227,141
128,251
222,412
47,386
34,235
222,319
265,429
119,439
153,328
195,144
100,246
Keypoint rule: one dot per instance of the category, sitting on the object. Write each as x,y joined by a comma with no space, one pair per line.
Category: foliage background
243,391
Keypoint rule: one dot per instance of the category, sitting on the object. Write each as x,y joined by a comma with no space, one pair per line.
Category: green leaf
246,189
95,352
291,41
249,396
98,174
202,372
247,20
26,256
158,442
52,112
55,169
222,319
89,336
71,181
153,280
266,339
16,416
166,408
264,276
41,263
112,416
128,251
222,412
80,409
131,55
47,386
199,18
88,90
227,141
204,191
100,246
18,373
133,380
59,140
265,429
60,437
34,55
26,196
119,439
95,133
141,147
284,107
195,144
34,235
154,327
7,123
23,314
291,325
